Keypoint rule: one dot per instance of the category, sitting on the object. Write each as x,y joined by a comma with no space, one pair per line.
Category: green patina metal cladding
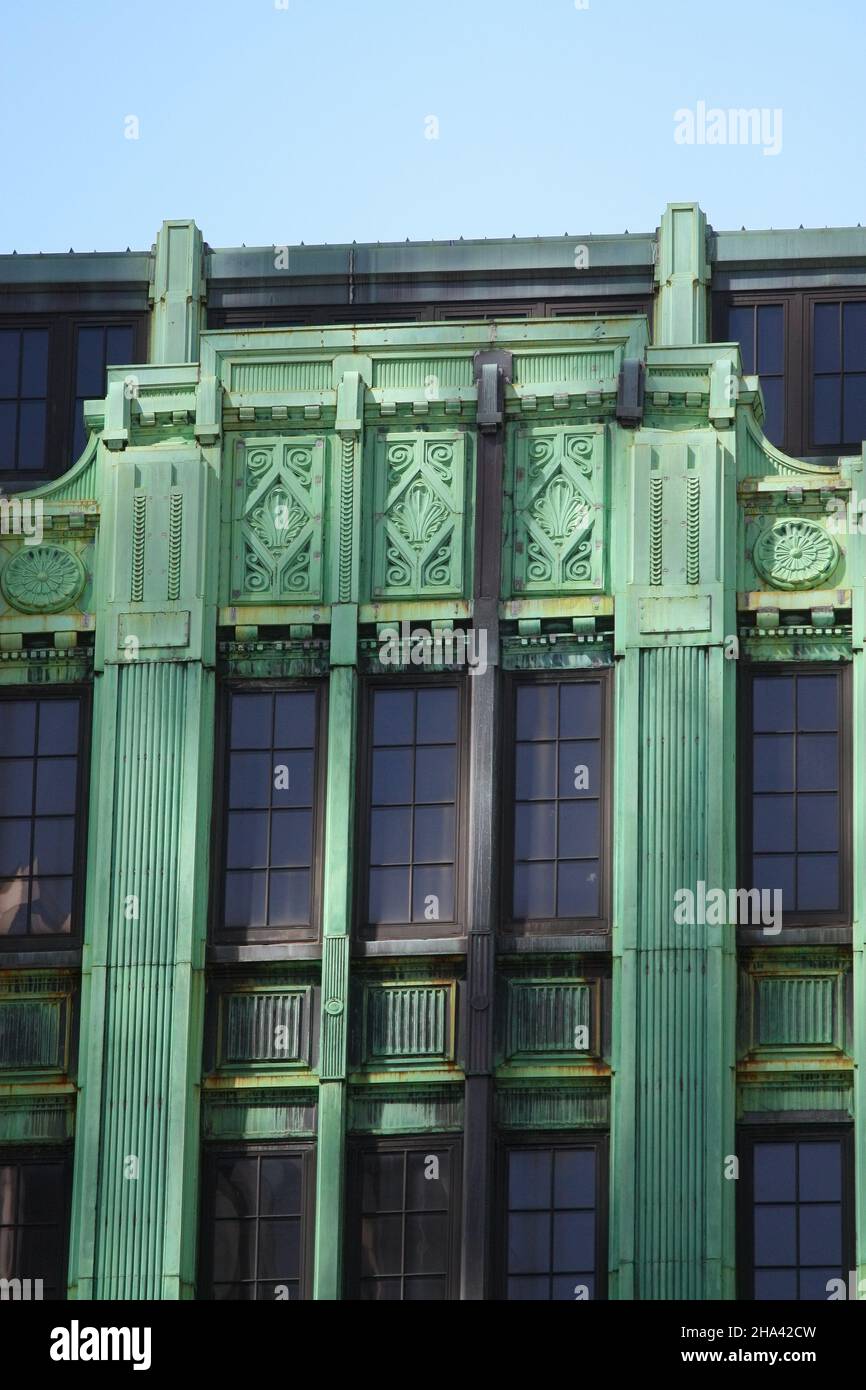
299,487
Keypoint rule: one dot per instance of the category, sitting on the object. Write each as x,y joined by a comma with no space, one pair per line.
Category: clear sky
278,121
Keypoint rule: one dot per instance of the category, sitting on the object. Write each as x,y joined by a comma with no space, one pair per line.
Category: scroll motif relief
277,546
418,524
558,517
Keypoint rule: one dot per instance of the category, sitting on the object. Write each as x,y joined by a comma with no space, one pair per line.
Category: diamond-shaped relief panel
420,485
277,533
557,530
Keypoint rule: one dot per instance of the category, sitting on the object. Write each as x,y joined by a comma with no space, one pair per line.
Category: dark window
256,1223
554,1240
41,817
23,399
97,347
797,814
34,1219
839,373
271,822
558,800
760,331
406,1202
49,364
413,805
796,1215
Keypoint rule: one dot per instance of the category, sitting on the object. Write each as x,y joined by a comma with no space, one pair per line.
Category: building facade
430,846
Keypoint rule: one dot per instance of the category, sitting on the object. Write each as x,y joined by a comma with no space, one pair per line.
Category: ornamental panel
277,536
795,553
43,579
558,523
419,522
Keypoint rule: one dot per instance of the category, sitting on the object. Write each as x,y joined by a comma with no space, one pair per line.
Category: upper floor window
796,816
796,1217
41,819
34,1221
413,807
97,347
404,1221
272,814
23,399
809,350
555,1237
839,373
257,1223
759,329
558,813
49,365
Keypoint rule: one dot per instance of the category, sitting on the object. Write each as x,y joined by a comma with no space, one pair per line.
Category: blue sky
279,121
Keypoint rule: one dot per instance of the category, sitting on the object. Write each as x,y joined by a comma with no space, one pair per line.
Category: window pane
34,363
31,435
10,349
536,711
279,1249
573,1240
235,1186
774,405
536,771
574,1178
391,835
577,889
820,1235
529,1173
854,410
776,1235
827,427
773,824
295,719
821,1171
535,830
772,704
817,702
393,716
428,1181
436,716
854,337
251,721
741,329
771,348
826,343
775,1172
579,829
289,898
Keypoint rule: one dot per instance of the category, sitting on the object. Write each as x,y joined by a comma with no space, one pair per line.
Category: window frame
74,939
748,1135
405,1144
410,931
792,305
62,365
305,1149
840,296
796,919
557,926
219,936
508,1140
61,1154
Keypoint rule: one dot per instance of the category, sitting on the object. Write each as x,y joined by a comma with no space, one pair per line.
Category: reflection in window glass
254,1221
39,770
34,1198
405,1217
23,399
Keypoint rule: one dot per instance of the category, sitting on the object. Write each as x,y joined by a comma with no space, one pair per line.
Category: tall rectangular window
271,831
796,1215
406,1202
97,347
34,1219
257,1223
412,829
839,373
554,1238
23,399
559,798
796,816
41,818
760,331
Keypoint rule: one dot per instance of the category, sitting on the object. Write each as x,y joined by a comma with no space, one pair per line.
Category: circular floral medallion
42,579
795,555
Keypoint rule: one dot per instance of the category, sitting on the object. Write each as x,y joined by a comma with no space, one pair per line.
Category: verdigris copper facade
269,504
